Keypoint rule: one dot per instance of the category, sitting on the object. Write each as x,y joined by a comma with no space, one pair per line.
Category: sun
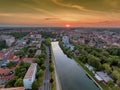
67,25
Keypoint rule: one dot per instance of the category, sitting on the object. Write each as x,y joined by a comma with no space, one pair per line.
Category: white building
71,47
102,76
65,40
38,52
8,39
30,76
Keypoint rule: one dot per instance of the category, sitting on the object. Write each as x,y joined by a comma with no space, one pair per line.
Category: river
70,73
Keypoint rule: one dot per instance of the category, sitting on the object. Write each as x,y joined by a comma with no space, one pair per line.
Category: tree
39,61
51,68
43,67
47,42
20,72
3,45
83,58
22,69
40,73
11,64
107,68
21,53
19,83
10,83
110,83
118,81
35,85
51,80
94,61
115,74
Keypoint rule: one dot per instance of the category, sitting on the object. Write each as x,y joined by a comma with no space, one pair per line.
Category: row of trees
47,42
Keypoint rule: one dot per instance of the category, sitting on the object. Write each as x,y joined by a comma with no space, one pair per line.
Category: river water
71,75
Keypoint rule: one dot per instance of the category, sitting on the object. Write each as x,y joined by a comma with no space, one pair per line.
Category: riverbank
89,75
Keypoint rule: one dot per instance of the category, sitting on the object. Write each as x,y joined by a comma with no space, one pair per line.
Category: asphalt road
46,83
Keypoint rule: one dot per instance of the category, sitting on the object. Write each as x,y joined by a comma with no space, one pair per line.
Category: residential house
1,55
13,57
6,74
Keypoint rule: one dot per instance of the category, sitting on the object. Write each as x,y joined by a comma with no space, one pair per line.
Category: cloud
5,14
48,19
69,5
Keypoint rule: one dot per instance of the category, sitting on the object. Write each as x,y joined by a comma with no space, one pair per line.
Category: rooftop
1,54
30,71
5,71
12,57
38,52
104,76
28,59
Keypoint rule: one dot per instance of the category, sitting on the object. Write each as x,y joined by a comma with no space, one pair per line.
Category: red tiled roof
6,78
5,71
30,71
28,59
16,88
12,57
2,54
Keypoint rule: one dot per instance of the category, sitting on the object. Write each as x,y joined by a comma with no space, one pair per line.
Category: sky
60,12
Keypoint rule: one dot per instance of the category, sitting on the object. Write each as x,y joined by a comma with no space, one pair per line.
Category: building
102,76
35,37
65,40
20,47
13,58
30,76
6,74
38,52
29,60
38,45
1,55
71,47
15,88
8,39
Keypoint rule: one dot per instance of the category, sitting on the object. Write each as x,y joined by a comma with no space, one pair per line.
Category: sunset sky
60,12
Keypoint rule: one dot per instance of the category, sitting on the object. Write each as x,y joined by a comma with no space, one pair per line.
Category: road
46,83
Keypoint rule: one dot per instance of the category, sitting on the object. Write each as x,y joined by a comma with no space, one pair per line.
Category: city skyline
60,12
